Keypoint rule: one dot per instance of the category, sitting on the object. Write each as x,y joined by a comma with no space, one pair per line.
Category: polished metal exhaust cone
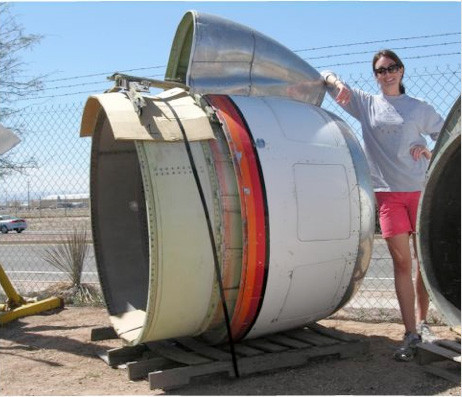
213,55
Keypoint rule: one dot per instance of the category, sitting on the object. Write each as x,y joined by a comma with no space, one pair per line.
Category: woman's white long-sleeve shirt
391,125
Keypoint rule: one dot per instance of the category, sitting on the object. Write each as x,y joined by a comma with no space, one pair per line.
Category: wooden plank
429,352
265,345
121,355
170,350
141,369
103,333
300,335
319,339
204,350
177,377
450,344
333,333
450,371
292,357
287,341
311,337
243,350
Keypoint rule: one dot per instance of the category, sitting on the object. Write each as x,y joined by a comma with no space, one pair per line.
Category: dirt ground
53,355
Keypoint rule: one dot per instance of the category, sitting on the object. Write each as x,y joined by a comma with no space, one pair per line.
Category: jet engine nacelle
286,184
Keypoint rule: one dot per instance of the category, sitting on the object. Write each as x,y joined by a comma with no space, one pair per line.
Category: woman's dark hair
390,54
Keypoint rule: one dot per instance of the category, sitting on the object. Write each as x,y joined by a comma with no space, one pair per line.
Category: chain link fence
53,195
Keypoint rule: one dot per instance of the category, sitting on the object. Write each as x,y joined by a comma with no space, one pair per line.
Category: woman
393,128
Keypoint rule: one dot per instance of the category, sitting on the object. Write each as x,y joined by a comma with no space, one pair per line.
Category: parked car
9,223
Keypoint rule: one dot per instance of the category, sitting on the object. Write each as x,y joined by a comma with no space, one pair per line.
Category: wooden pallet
174,363
441,358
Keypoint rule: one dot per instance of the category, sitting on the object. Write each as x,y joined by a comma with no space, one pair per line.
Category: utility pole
28,194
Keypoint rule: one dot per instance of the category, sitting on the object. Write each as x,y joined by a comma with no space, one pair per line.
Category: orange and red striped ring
251,193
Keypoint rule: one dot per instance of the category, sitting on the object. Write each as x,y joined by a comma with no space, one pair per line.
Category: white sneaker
425,332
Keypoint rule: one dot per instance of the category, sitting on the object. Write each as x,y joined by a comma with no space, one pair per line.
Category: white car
9,223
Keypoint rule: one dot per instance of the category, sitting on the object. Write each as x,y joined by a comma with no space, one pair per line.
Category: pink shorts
397,212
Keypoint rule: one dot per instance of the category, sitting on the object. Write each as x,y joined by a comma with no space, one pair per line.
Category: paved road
24,263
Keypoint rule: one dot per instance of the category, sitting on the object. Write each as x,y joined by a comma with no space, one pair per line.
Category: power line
101,74
368,61
72,85
59,87
57,96
62,95
307,49
306,59
377,41
81,84
321,66
368,52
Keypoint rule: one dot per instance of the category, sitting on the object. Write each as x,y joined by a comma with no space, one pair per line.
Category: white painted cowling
314,216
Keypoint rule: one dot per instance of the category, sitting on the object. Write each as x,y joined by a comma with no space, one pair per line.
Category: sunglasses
390,69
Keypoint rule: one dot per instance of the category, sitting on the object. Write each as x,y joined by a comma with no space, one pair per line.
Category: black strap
212,240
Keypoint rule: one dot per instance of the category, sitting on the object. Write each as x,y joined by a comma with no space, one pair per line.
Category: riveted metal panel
292,134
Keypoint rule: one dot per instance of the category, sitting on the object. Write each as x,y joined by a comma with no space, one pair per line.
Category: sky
86,41
88,38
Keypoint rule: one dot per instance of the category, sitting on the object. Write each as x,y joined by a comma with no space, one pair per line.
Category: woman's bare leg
422,298
402,264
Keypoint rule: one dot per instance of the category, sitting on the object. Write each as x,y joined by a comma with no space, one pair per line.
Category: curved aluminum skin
367,209
213,55
151,242
320,214
283,185
438,222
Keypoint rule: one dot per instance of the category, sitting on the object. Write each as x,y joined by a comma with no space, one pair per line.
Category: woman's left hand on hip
418,151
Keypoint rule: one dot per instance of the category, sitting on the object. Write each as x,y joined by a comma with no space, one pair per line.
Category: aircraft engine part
288,192
286,184
213,55
438,237
8,140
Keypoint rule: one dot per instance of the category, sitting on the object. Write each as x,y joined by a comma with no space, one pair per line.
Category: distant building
80,200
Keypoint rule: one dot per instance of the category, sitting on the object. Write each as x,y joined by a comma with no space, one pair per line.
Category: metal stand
16,306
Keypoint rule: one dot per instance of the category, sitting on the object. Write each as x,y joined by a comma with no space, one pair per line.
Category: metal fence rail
53,195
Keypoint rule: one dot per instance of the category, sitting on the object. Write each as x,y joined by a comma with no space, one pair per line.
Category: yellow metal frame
16,306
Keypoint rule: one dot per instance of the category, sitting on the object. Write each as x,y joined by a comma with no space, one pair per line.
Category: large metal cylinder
289,196
286,185
438,227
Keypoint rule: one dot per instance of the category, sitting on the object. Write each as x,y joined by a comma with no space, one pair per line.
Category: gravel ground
53,355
